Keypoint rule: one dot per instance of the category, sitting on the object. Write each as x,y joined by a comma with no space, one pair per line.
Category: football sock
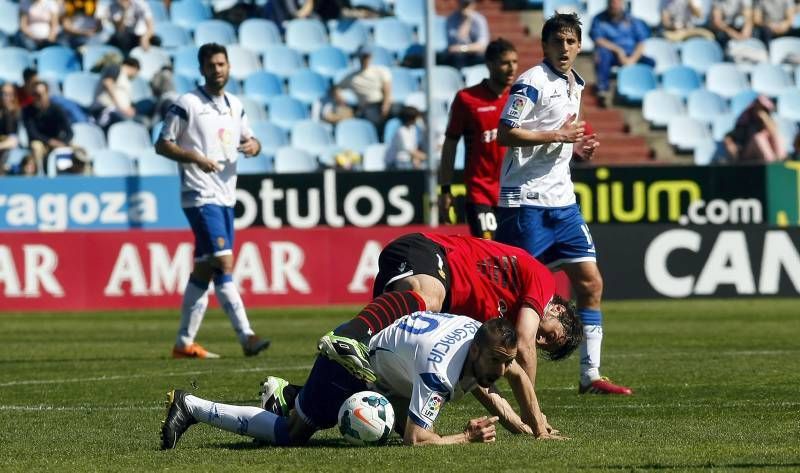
231,302
193,308
592,342
379,314
243,420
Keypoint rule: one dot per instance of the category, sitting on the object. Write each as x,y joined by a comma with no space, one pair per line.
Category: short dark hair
561,22
497,332
29,73
208,50
132,61
573,330
408,115
496,49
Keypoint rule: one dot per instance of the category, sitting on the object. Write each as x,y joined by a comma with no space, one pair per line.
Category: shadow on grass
314,443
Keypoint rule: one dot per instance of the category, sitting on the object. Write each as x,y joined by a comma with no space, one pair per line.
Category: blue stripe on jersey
525,90
418,421
435,383
509,123
179,111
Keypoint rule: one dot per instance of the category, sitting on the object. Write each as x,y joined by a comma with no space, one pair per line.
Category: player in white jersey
204,131
537,208
423,361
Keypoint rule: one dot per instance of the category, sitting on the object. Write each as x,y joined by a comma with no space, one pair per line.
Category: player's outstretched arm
497,405
479,430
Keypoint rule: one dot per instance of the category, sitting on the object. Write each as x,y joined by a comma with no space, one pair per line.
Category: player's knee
590,287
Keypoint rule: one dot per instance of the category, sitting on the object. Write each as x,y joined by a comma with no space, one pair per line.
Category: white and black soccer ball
366,418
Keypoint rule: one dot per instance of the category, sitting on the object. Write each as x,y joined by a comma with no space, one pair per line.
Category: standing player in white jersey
204,131
423,361
537,208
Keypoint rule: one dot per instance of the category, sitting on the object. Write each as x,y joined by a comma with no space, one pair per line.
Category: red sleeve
539,286
458,115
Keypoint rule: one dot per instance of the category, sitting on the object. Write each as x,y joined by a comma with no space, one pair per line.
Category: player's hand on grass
571,131
481,429
445,205
549,436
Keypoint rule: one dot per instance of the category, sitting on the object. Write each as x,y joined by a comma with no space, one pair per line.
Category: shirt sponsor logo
432,406
488,108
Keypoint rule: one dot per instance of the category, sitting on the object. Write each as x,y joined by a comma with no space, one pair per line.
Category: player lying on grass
423,360
478,278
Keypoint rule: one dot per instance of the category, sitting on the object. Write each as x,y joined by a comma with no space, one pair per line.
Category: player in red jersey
474,114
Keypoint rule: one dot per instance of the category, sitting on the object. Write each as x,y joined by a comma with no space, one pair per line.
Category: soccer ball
366,418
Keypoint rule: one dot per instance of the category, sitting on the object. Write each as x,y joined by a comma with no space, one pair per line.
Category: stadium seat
681,81
390,128
311,136
634,81
593,7
257,33
183,84
55,62
705,153
159,11
788,130
328,61
284,111
189,13
254,110
700,54
293,160
550,7
742,100
140,90
374,158
306,35
262,85
15,157
14,61
703,105
259,164
349,36
307,86
663,52
410,11
282,60
185,62
129,137
770,79
726,79
648,11
780,48
660,106
80,87
92,53
155,132
374,5
446,82
751,51
789,104
403,83
172,36
113,163
151,60
686,133
475,74
214,31
393,35
9,18
88,136
150,163
355,134
270,136
440,41
382,57
721,125
243,62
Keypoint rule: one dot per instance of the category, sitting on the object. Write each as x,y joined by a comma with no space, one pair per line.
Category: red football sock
380,313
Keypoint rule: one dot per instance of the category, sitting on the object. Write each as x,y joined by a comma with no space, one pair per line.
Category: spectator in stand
79,23
38,23
774,18
467,36
756,137
280,11
404,150
113,100
25,93
731,19
133,25
47,125
372,85
678,17
619,41
9,122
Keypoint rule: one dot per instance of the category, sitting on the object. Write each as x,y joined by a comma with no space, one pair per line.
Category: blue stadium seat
189,13
151,60
705,153
328,61
393,35
256,34
159,11
550,7
282,60
349,36
593,7
660,106
648,11
80,87
9,18
88,136
686,133
780,48
440,41
663,52
726,79
700,54
254,110
307,86
140,90
270,136
151,163
789,104
306,35
259,164
129,137
788,130
374,5
446,82
262,85
681,80
185,62
410,11
403,83
721,125
293,160
14,61
475,74
172,36
155,132
741,101
751,48
311,136
382,57
355,134
703,105
112,163
55,62
390,128
92,53
214,31
284,111
634,81
374,158
770,79
243,62
183,84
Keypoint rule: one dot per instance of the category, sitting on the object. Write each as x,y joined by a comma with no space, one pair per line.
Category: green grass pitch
717,388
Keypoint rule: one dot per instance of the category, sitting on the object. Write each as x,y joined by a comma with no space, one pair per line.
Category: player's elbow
505,135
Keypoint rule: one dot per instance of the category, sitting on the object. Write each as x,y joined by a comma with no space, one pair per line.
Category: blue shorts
554,236
212,226
327,387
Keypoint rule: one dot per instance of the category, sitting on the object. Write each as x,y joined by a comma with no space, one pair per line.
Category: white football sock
231,302
193,309
590,353
243,420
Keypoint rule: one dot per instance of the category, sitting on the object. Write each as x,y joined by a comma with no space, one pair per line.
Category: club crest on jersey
441,267
220,242
402,267
432,406
517,105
